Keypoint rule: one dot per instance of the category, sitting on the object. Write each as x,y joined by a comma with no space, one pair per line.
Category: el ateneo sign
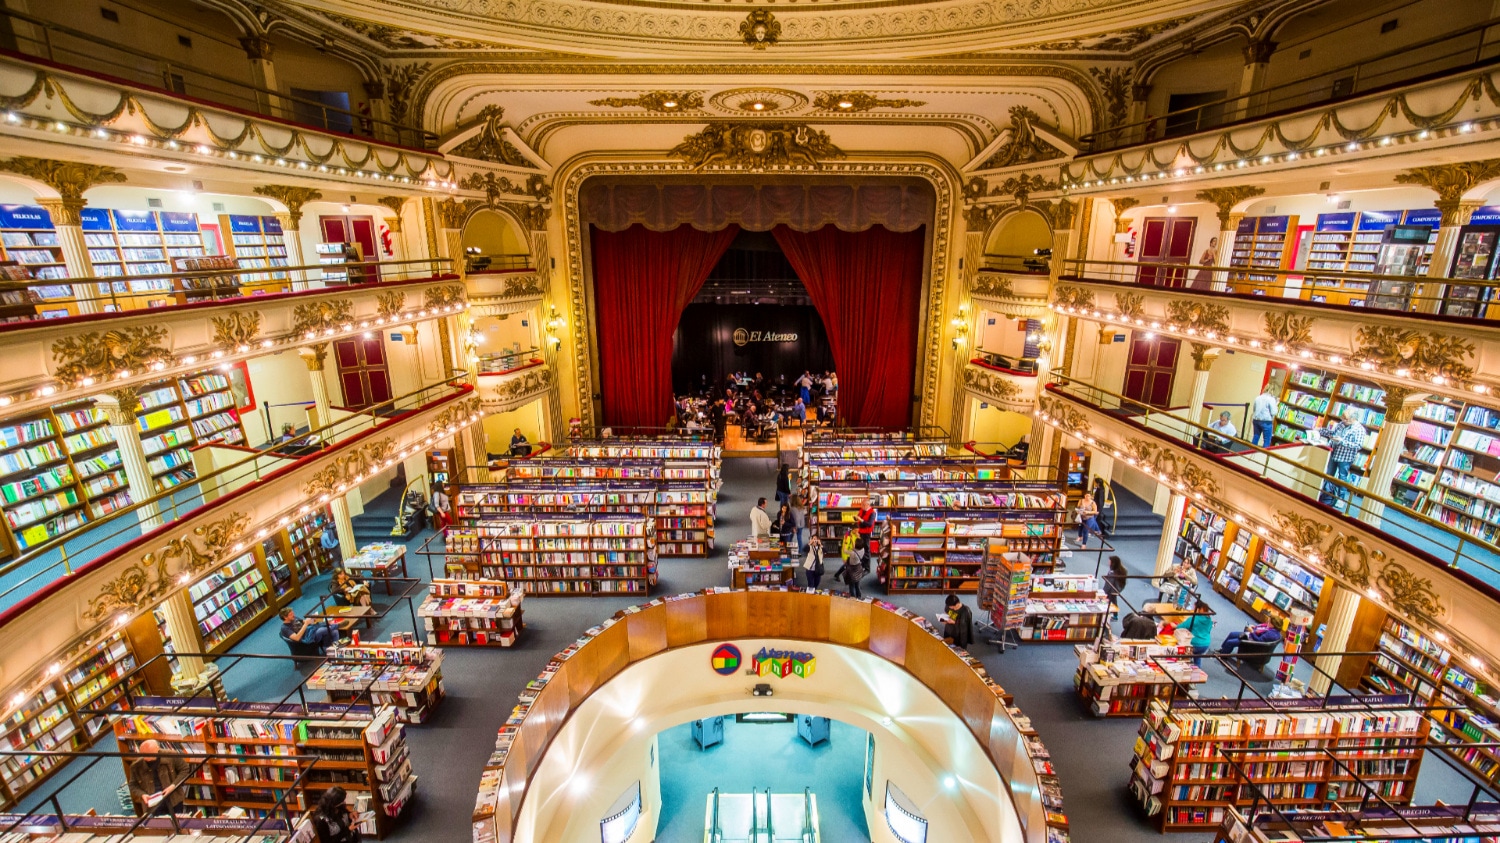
743,337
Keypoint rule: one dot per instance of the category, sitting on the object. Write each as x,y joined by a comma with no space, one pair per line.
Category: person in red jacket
865,521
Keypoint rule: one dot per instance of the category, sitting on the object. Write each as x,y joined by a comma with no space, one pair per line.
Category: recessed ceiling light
669,104
845,104
758,106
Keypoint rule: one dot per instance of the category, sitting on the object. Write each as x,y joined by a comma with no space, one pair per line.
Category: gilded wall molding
460,414
1225,198
292,197
991,285
316,317
580,294
68,178
760,29
1067,298
756,146
851,102
100,356
444,296
1130,305
663,102
1348,558
1024,146
348,470
1406,350
238,330
489,143
1198,318
1287,328
1064,415
1163,462
390,303
452,213
159,572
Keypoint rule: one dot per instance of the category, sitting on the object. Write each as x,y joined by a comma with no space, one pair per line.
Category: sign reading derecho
743,337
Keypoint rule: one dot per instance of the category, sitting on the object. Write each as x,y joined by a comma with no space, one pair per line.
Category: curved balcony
1017,294
515,387
130,565
1005,388
499,293
1415,345
1418,567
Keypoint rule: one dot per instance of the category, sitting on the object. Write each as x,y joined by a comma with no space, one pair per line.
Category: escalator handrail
715,832
808,835
770,824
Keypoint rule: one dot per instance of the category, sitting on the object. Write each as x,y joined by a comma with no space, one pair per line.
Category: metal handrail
1269,465
121,523
262,101
245,284
1424,293
809,833
1296,93
715,831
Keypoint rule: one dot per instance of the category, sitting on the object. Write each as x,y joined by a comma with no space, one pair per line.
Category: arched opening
1018,236
494,241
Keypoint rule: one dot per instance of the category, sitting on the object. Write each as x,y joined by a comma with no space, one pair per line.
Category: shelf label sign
782,663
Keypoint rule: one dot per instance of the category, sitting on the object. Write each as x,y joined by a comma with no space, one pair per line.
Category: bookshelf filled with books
683,510
304,539
947,554
96,459
1119,678
399,673
1181,778
593,554
1262,580
29,238
230,602
360,748
49,710
1261,243
473,612
127,244
1065,607
40,489
1005,584
257,243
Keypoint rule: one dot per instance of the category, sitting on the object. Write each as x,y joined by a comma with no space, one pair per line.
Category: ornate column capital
68,178
1226,198
452,213
1121,205
293,198
393,223
1458,212
395,203
1204,356
64,211
1259,52
314,356
1451,181
257,47
1401,403
118,406
977,218
1064,214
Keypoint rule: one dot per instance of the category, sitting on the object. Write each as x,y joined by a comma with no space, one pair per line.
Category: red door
361,232
1166,240
362,372
1150,369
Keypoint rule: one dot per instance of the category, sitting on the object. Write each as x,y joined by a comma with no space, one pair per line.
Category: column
1176,505
1400,406
445,346
183,627
315,356
339,506
258,50
1041,454
1122,226
478,470
1335,638
65,219
293,239
1252,100
1456,214
1203,361
1229,226
119,410
1139,94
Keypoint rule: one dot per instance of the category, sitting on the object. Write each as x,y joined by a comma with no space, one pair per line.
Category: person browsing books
332,820
760,520
957,621
156,780
1263,417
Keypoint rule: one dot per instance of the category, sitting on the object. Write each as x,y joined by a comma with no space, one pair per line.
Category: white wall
500,333
280,378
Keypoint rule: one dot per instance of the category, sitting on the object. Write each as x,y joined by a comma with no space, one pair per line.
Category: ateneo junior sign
725,660
743,337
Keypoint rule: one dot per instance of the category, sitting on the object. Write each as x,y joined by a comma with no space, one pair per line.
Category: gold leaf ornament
109,354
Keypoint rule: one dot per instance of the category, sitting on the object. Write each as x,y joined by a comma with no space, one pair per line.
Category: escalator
761,816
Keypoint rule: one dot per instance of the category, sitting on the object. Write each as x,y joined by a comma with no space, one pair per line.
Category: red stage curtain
642,281
867,286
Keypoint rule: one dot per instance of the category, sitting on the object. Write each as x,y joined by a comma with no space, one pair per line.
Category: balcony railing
503,363
57,298
45,563
1463,49
31,36
1455,298
1299,470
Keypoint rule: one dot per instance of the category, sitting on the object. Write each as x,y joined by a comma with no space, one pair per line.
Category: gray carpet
1091,755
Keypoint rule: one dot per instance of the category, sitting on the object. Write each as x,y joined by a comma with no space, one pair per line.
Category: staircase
1134,519
374,524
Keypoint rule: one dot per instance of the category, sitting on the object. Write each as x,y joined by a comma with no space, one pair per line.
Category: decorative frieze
145,582
99,356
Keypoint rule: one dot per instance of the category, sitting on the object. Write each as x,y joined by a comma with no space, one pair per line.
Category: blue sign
135,220
1378,220
1247,226
1488,215
271,225
179,222
1336,222
1274,225
242,224
1425,216
95,219
25,216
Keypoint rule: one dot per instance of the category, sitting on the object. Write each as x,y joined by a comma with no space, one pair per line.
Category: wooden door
1166,240
1150,369
362,371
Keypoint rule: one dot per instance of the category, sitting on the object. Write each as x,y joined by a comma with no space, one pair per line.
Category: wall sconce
553,325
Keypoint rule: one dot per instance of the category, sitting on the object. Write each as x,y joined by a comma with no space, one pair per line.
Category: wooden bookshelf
683,510
545,554
231,601
941,555
1065,607
473,612
1182,779
359,748
95,456
1118,678
28,237
42,498
257,243
304,540
1316,398
1261,243
400,673
1262,581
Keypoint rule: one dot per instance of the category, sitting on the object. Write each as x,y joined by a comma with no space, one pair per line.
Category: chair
1256,654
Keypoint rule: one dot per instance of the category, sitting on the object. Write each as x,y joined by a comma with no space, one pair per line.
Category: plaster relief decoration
531,217
349,470
145,582
1185,473
1113,42
393,38
992,385
437,297
1225,198
390,303
1114,83
658,101
1288,328
96,357
757,100
756,146
312,318
1064,415
292,197
992,285
1409,352
760,30
532,381
496,186
1022,186
453,214
858,101
1194,318
522,285
1068,299
1024,146
1130,305
489,144
1346,557
236,331
460,414
978,218
399,84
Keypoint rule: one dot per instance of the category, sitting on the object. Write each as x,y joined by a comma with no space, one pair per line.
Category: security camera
762,690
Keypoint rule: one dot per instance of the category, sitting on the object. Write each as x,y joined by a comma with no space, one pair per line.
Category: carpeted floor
448,752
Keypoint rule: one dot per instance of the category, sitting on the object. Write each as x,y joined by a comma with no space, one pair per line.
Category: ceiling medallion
742,101
854,101
760,30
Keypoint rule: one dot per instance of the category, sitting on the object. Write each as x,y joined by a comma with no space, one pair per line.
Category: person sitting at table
319,634
347,589
519,447
1222,438
1138,626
